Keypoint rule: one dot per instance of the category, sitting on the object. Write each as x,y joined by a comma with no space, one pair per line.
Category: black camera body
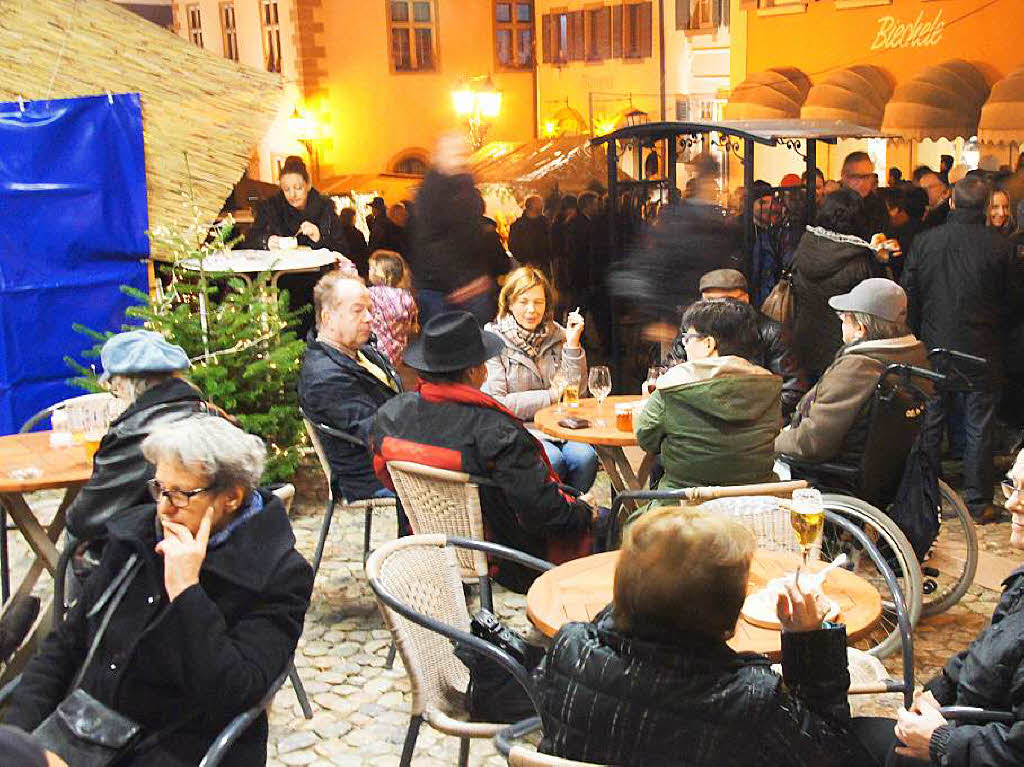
486,626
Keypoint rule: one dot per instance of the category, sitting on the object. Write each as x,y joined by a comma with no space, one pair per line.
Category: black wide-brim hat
452,341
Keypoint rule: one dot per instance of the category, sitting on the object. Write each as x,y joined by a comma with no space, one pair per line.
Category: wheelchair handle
955,355
912,371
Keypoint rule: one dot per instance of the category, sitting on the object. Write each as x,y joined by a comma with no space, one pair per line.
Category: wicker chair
314,430
417,583
446,502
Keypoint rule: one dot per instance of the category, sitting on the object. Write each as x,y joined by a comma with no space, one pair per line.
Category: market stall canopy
202,114
1002,117
766,132
856,94
393,187
538,166
943,101
773,93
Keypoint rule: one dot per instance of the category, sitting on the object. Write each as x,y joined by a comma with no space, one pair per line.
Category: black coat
387,235
120,473
777,356
530,242
525,507
824,265
613,698
353,246
988,674
962,284
275,216
335,390
213,652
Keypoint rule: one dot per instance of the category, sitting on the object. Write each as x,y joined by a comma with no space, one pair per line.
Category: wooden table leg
40,630
612,459
42,540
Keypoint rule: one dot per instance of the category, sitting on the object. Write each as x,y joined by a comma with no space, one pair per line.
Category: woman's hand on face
311,230
800,610
183,554
573,330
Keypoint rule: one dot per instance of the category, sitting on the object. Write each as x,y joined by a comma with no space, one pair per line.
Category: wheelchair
862,493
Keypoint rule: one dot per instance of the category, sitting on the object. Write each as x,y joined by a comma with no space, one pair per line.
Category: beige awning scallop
943,101
769,95
1002,117
856,94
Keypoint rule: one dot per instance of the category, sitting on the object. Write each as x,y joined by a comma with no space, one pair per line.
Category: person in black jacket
652,681
449,423
989,674
210,619
353,244
344,380
773,351
141,368
529,238
962,282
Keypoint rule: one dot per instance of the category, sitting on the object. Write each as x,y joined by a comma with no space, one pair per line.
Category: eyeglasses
687,337
1009,488
179,498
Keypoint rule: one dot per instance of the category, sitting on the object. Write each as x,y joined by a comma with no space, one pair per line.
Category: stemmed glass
600,385
807,516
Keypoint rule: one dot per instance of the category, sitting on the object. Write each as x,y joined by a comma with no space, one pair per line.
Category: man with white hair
344,380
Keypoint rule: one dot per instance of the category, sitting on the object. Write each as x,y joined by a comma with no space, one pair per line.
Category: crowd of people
191,595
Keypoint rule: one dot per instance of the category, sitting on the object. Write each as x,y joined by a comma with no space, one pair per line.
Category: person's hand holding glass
600,385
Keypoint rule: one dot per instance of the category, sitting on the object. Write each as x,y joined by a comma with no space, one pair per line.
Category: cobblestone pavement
361,709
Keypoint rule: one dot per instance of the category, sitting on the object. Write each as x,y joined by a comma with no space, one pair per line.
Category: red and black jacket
457,427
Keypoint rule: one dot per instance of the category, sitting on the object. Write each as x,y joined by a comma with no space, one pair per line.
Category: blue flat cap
141,352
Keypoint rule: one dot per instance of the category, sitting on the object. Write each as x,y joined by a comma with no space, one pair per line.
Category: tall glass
558,382
600,385
807,516
571,393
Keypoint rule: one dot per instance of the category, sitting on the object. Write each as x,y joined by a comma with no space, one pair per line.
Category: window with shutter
637,32
577,36
616,31
513,34
599,34
560,37
545,38
682,14
271,22
413,40
646,31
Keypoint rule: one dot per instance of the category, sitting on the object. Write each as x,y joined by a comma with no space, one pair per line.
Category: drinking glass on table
600,385
558,382
807,516
571,392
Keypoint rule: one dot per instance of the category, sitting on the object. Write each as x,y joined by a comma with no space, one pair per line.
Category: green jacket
714,421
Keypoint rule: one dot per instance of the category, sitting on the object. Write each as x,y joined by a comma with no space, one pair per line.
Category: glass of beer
807,516
624,416
571,392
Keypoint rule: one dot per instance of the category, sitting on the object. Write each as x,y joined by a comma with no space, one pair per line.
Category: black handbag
83,731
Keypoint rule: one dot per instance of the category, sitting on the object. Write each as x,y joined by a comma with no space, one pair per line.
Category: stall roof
943,101
570,162
760,131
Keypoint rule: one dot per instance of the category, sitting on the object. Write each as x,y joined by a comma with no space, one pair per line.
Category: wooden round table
607,440
578,590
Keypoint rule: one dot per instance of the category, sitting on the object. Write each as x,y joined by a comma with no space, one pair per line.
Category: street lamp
477,102
306,131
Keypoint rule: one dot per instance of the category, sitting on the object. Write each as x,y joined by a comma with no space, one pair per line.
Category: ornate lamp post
477,102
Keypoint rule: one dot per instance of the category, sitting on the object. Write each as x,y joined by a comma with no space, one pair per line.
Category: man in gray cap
774,352
831,420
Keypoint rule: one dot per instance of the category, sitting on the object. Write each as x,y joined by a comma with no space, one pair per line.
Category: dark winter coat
962,283
387,235
988,674
353,246
825,264
120,473
275,216
524,508
530,242
337,391
614,698
210,654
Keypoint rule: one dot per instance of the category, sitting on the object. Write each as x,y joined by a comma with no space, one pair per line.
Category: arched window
410,162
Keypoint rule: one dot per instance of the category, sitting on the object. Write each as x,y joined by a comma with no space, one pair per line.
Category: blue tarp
73,221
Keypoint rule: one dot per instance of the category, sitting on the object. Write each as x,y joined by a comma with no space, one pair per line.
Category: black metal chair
418,587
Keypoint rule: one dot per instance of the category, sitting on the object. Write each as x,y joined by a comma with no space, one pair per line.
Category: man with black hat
773,351
450,424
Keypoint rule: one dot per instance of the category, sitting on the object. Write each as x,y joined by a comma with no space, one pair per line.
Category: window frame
643,51
271,35
193,13
229,35
592,51
411,26
514,27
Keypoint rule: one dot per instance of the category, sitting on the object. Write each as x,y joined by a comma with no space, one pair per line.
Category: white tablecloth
256,261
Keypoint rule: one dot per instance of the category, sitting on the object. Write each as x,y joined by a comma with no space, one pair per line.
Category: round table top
578,590
546,420
266,260
57,466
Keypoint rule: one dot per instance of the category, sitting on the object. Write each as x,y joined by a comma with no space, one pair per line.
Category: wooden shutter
646,31
603,33
617,32
545,34
577,36
716,14
748,5
682,14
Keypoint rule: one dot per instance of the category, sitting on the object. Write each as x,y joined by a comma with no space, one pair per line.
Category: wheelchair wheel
950,567
884,639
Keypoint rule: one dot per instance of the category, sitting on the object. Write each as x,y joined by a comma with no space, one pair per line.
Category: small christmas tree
235,332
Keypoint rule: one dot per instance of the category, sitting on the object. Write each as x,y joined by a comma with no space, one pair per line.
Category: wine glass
807,516
600,384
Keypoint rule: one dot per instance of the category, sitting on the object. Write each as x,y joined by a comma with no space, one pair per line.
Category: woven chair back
442,501
318,448
763,516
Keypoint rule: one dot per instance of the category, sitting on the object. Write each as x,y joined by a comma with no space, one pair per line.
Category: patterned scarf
519,338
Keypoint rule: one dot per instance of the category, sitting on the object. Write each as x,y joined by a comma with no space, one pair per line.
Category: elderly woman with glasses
211,615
